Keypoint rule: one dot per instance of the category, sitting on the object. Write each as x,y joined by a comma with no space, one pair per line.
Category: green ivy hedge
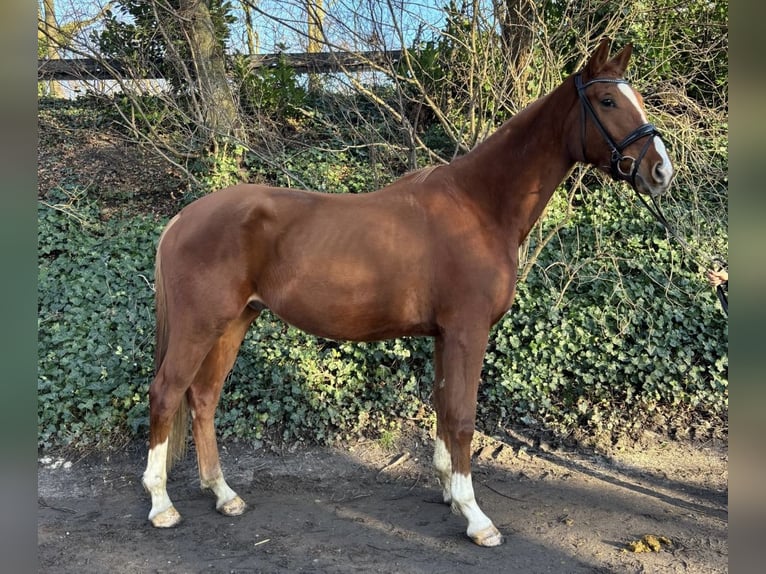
613,329
95,322
609,330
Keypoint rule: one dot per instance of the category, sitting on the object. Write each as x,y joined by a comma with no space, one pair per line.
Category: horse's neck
513,173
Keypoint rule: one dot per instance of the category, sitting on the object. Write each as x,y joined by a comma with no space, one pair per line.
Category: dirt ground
362,508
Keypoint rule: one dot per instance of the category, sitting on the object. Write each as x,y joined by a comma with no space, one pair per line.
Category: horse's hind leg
166,396
204,394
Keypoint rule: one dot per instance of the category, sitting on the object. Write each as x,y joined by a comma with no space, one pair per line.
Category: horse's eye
608,103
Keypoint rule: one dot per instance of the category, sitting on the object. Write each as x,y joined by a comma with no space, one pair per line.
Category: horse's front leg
459,356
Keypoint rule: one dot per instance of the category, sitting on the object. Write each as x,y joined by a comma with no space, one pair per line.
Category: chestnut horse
433,254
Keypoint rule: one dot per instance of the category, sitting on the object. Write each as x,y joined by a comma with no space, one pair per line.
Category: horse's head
615,135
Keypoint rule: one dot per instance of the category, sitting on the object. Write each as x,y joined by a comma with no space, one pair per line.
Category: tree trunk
315,29
51,34
216,99
252,34
518,37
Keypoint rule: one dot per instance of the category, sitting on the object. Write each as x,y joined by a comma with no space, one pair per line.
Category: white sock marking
223,493
463,500
443,465
155,479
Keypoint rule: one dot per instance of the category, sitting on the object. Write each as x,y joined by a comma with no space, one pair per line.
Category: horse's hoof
233,507
488,537
166,519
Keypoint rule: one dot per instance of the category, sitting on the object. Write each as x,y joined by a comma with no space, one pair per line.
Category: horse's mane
419,175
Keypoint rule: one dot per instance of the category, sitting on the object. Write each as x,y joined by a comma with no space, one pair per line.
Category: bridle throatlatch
618,159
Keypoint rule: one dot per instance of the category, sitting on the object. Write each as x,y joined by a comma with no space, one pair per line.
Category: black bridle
643,131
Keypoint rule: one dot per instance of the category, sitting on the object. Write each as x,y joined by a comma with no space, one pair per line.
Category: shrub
613,327
302,387
273,91
611,330
95,324
323,170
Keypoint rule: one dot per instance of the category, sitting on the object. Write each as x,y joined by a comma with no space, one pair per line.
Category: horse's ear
598,58
621,59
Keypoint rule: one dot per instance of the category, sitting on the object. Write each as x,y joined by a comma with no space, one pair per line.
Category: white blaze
659,146
628,92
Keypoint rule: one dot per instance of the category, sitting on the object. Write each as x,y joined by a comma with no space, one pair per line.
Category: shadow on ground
335,510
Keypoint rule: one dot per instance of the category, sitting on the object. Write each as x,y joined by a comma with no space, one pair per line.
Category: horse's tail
179,429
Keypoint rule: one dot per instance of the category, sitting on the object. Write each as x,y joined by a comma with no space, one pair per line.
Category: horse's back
340,266
366,266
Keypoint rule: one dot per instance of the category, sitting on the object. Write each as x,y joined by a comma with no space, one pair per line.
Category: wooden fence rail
67,69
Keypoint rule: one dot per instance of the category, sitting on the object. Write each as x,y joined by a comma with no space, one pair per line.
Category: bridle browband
644,131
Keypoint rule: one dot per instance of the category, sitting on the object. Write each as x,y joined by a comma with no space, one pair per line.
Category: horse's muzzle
657,181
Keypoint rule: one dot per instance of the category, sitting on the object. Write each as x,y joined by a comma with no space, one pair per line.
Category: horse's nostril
662,172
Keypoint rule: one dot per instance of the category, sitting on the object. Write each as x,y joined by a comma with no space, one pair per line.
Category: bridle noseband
644,131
